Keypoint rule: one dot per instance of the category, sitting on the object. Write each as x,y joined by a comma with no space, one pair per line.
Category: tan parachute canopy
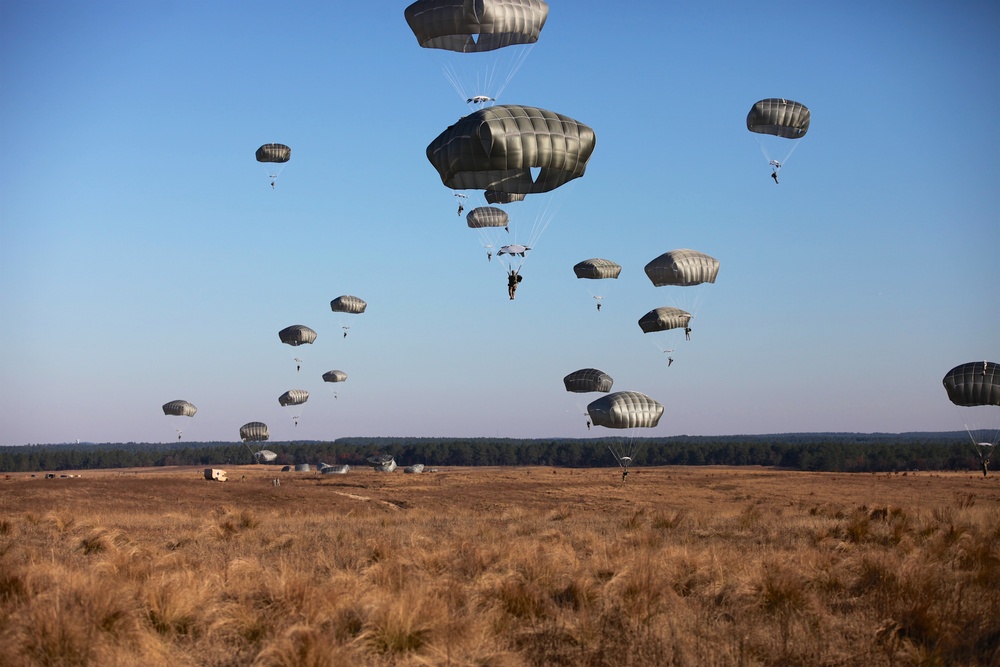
587,380
682,268
597,269
297,334
293,397
779,117
179,409
625,409
474,26
662,319
348,304
274,153
497,147
254,432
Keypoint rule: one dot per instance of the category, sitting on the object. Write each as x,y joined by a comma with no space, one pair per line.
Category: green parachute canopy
475,26
279,153
597,269
588,379
179,409
973,384
664,319
779,117
682,268
297,334
334,376
254,432
293,397
348,304
496,149
487,216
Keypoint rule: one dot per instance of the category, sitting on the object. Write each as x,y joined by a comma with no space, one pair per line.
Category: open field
500,566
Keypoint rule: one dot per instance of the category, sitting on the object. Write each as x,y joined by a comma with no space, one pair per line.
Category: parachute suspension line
516,63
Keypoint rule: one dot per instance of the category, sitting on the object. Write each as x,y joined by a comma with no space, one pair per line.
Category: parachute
664,319
496,149
347,305
494,197
491,223
587,380
293,397
297,334
482,43
630,410
597,269
273,157
974,389
265,455
334,376
179,409
682,268
781,118
254,432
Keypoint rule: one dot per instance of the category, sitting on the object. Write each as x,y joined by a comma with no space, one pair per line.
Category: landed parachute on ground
780,118
297,334
293,397
473,26
974,388
588,380
497,148
682,268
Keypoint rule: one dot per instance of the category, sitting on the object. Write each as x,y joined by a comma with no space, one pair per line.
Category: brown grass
500,567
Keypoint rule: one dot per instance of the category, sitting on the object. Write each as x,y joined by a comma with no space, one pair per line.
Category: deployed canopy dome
662,319
975,383
779,117
179,408
294,397
496,148
254,432
334,376
487,216
473,26
494,197
297,334
587,380
274,153
682,268
625,409
348,304
596,269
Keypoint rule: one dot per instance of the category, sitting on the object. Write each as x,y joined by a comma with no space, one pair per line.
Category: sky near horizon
145,258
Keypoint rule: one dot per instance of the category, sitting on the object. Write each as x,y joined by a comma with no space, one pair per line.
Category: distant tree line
830,452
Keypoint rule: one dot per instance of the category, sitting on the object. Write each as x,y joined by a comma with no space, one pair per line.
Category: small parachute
496,149
273,157
293,397
487,216
494,197
334,376
297,334
682,268
664,319
778,119
514,249
348,304
597,269
587,380
179,409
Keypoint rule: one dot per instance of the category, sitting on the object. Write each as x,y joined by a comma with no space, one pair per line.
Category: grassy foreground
501,567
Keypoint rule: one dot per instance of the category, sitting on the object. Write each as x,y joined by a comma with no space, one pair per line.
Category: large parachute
293,397
497,148
254,432
179,409
588,380
664,319
472,26
780,118
682,268
630,410
297,334
974,388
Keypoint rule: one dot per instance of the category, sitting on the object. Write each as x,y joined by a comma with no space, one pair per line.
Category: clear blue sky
145,258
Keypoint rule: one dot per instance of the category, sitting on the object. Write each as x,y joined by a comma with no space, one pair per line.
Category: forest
819,452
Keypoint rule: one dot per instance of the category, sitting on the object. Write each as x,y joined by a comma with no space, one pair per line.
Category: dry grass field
501,567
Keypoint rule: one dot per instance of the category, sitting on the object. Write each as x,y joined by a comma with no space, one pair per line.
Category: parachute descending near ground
471,26
497,148
781,118
682,268
630,410
179,409
974,388
254,432
297,334
587,380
